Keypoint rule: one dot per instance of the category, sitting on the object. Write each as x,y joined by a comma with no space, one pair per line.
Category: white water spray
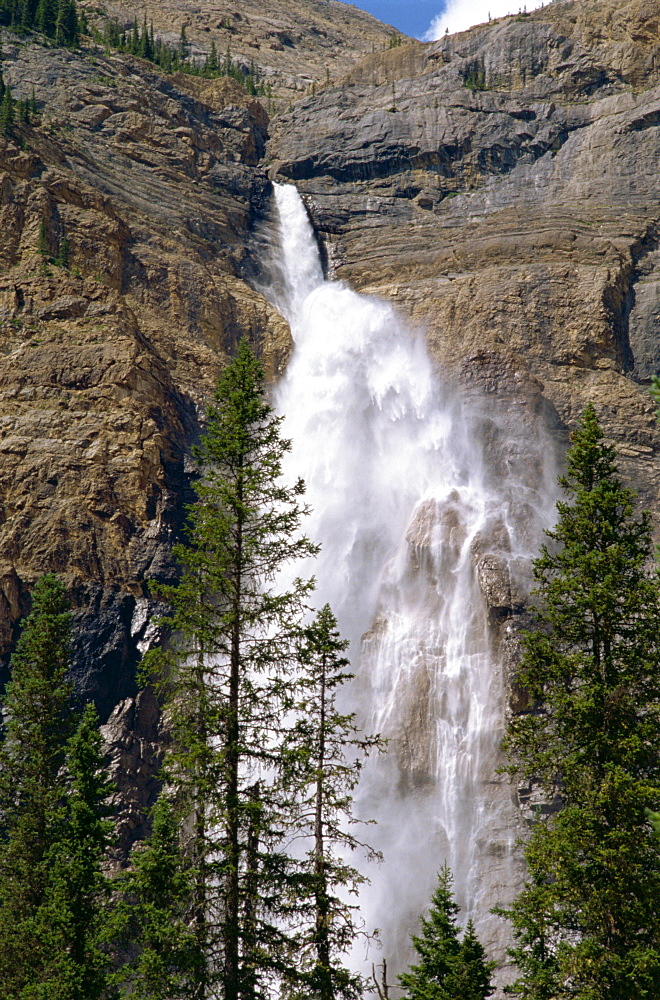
411,515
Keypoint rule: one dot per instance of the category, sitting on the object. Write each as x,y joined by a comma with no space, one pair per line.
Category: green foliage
150,921
56,19
324,753
72,915
587,921
176,58
183,43
63,254
7,113
46,17
476,79
654,820
52,831
66,24
226,682
450,968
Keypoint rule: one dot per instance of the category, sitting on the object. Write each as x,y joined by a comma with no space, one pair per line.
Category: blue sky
413,17
429,18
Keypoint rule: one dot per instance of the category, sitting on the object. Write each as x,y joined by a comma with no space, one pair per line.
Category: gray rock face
644,316
501,185
134,739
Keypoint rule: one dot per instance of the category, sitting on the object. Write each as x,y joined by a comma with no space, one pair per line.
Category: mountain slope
291,42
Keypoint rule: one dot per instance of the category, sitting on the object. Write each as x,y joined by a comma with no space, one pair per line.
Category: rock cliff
104,363
500,185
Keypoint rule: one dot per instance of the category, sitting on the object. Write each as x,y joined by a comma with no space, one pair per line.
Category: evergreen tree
587,922
73,913
28,14
53,831
449,968
146,47
212,62
325,752
150,921
183,43
134,44
66,25
63,254
46,17
7,113
472,971
236,638
32,756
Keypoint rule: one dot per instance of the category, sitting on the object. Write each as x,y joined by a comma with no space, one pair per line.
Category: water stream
422,503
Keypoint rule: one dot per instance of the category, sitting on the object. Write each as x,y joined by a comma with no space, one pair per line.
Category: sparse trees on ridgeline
56,19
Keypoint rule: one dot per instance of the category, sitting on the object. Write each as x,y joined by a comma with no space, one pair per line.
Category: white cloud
461,14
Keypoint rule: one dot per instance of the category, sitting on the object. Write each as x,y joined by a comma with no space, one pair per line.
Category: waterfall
420,501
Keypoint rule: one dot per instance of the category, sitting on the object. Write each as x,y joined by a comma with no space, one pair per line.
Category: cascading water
411,516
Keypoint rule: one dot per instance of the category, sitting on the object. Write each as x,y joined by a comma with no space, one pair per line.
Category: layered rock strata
105,363
501,186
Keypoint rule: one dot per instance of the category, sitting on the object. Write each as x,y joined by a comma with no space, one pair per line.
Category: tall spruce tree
235,635
325,753
72,915
150,923
38,723
66,23
588,922
46,17
449,968
52,828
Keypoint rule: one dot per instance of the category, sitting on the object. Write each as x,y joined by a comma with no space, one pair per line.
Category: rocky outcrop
153,185
134,737
105,364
